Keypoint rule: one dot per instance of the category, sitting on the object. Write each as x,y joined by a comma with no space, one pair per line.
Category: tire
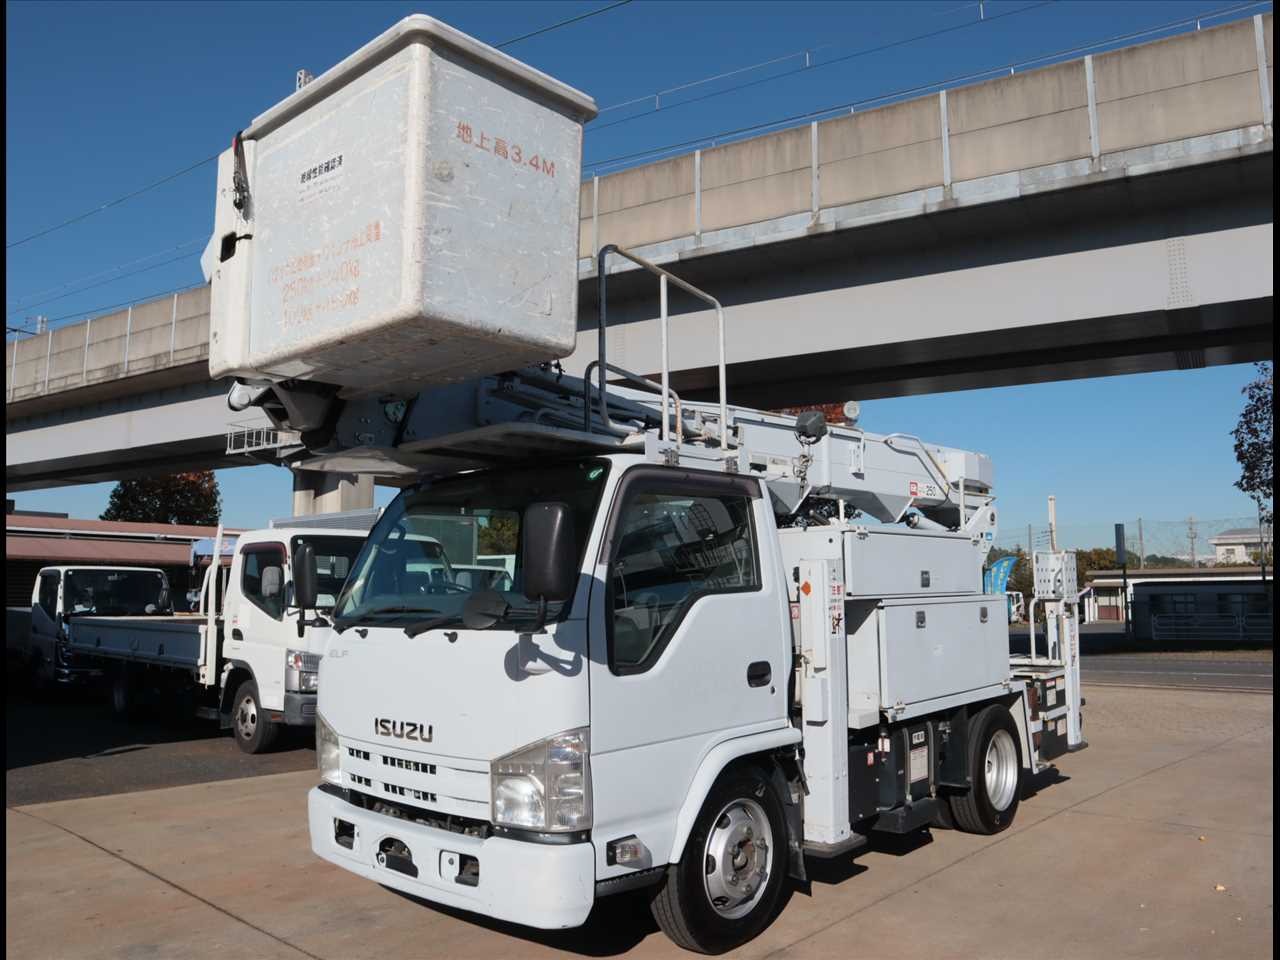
125,702
741,808
253,730
995,767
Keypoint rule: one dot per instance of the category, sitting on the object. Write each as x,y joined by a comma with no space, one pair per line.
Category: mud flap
792,793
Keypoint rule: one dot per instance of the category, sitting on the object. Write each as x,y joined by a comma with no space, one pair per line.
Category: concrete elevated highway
1112,214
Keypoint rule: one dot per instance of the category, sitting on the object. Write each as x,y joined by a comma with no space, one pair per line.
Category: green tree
1160,560
176,498
498,535
1253,441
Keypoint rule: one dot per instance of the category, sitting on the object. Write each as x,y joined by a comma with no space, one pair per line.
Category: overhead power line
562,23
207,160
112,203
133,273
655,152
807,67
26,303
98,311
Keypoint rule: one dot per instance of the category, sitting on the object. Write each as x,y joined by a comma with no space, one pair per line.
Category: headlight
300,671
328,753
545,786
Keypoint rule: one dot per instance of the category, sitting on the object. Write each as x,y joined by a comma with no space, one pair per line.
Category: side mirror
162,601
305,587
548,553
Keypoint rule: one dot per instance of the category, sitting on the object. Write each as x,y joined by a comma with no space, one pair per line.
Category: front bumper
300,709
549,886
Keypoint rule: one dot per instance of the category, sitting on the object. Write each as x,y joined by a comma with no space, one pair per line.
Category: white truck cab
270,649
62,592
249,654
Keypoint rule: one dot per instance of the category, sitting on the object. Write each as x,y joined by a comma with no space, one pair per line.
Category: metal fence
1176,628
1191,541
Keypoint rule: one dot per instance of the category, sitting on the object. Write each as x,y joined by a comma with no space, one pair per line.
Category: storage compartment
895,561
936,648
410,217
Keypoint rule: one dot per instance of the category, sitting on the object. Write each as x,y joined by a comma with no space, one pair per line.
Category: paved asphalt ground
64,747
1228,671
1155,842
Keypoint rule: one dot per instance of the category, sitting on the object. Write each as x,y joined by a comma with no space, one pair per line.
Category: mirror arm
542,616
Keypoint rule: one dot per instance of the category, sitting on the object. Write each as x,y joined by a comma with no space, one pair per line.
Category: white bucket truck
730,639
249,656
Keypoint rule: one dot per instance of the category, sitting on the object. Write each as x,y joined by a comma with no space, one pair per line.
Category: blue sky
103,98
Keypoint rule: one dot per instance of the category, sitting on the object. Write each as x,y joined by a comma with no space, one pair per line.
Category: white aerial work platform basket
409,217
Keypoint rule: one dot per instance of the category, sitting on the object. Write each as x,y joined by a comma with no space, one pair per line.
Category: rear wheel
727,884
995,768
125,702
255,732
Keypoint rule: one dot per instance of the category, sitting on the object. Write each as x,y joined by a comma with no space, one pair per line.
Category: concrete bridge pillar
317,492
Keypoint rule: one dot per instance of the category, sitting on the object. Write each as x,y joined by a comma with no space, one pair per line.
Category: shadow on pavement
1038,781
615,925
78,723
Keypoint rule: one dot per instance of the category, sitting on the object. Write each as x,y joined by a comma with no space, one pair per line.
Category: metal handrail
664,276
639,381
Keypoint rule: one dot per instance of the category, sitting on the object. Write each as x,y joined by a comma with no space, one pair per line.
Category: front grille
467,826
358,754
409,792
400,764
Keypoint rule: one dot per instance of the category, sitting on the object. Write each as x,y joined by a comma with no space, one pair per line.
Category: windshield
405,574
115,593
334,556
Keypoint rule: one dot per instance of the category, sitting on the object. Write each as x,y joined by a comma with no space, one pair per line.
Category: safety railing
1183,627
245,438
602,366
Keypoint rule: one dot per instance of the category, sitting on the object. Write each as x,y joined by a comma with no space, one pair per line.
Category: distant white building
1240,546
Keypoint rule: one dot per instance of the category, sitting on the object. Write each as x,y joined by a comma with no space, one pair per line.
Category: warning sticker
919,764
925,490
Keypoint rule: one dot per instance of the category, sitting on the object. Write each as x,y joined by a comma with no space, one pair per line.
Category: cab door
690,640
45,620
256,618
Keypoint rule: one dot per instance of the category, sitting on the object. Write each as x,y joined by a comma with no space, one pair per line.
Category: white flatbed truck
248,657
36,636
731,639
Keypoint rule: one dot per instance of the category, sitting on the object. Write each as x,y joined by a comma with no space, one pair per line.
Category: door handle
237,636
759,673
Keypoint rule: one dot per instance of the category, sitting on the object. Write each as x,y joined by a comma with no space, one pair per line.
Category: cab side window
673,546
262,578
48,596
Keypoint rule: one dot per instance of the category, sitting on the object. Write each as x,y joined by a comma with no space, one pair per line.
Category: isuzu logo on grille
402,730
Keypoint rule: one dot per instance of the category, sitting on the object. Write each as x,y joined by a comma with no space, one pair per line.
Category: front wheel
727,884
255,732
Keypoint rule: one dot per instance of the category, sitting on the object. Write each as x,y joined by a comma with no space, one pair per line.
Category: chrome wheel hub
1001,770
246,718
736,858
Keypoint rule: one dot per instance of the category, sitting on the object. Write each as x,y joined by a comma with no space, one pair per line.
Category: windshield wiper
422,626
342,623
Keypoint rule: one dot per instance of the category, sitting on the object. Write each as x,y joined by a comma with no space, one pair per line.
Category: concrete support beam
315,492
